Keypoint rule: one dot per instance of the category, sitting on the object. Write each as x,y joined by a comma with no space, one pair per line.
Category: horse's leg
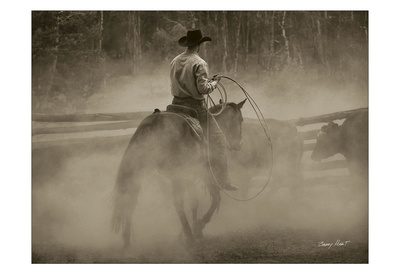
194,202
126,233
215,202
194,205
178,191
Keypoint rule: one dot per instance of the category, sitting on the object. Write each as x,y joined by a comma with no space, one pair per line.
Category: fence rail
311,135
87,128
97,117
324,118
92,141
132,120
44,124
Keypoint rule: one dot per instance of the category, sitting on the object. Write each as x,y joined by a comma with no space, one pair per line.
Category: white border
16,106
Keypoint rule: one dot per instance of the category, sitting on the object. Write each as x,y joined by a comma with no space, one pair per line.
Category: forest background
81,58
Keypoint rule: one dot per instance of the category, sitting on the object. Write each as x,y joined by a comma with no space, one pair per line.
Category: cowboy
189,83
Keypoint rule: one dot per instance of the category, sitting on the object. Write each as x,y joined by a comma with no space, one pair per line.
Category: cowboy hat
193,37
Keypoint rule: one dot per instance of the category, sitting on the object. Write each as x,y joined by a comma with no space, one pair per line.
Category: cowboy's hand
216,77
214,84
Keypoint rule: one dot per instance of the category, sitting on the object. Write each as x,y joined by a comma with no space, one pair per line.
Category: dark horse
165,143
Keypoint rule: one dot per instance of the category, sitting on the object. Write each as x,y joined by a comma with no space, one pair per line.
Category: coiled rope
260,118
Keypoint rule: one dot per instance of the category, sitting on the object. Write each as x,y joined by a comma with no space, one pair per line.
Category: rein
261,120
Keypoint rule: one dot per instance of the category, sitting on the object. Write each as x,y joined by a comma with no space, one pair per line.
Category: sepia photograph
200,137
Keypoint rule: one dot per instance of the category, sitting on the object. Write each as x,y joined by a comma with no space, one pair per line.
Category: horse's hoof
198,230
198,234
190,243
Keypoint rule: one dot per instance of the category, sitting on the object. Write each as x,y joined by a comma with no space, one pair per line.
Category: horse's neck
222,118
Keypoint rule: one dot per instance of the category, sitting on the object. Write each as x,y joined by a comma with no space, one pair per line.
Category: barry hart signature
338,243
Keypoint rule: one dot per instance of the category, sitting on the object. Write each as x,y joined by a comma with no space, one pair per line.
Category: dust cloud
72,186
71,213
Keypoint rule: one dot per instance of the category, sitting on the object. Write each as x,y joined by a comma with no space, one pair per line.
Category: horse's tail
128,179
126,190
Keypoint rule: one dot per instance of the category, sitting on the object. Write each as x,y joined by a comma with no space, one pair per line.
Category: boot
219,163
220,171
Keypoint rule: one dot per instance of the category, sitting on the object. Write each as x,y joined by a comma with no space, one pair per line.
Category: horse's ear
240,105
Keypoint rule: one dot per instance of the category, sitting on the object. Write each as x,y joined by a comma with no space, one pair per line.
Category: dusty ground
263,244
71,220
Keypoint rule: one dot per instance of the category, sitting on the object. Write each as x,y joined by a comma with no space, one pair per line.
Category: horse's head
230,121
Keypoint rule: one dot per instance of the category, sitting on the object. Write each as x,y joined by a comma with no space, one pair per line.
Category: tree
133,43
71,49
246,35
224,37
286,58
101,31
237,43
66,60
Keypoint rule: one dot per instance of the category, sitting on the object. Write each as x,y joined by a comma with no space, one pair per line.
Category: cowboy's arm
204,85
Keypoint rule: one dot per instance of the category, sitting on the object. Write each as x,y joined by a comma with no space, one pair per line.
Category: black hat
193,37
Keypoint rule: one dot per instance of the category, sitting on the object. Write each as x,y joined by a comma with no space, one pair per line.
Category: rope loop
224,99
261,119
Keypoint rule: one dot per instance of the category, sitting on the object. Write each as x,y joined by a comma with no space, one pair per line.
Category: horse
165,143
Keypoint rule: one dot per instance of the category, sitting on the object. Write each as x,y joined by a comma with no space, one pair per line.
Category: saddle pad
196,129
182,109
194,123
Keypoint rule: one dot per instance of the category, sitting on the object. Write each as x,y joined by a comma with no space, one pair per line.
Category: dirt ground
71,220
261,245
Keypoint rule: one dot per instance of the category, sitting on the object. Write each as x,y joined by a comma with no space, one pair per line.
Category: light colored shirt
189,76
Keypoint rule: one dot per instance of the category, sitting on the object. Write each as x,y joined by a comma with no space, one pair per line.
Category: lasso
260,118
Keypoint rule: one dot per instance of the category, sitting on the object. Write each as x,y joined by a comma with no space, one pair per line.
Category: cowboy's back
189,76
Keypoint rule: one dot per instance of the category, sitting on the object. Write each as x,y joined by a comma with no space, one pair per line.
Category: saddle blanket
189,115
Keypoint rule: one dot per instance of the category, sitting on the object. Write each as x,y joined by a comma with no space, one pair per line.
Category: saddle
189,115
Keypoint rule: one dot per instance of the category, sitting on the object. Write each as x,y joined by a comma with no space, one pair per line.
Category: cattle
253,162
349,139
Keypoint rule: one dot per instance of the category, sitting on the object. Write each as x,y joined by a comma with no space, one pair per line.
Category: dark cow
350,139
253,161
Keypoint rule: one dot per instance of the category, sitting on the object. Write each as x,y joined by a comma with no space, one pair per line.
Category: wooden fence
309,139
50,125
312,134
121,122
